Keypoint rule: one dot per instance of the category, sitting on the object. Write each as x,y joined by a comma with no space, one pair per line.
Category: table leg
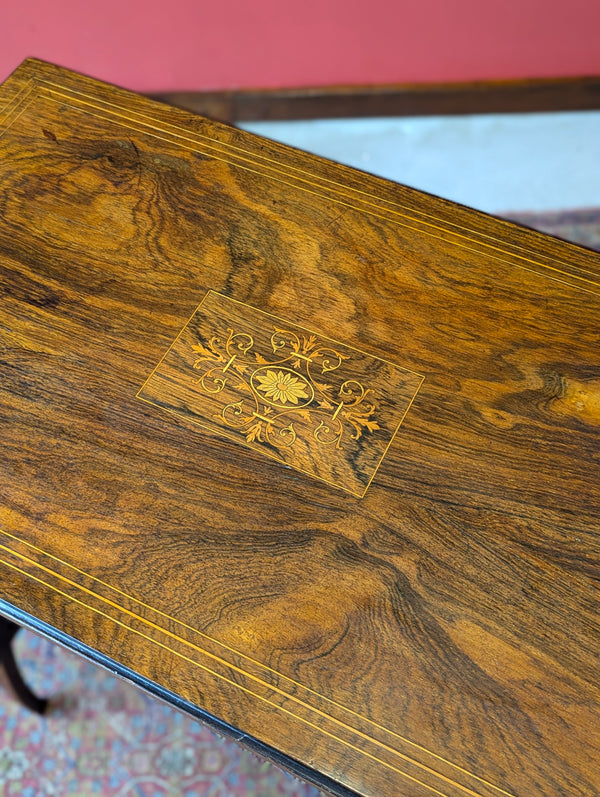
8,629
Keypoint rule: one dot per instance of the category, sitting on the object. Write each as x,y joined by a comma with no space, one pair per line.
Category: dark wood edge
280,760
423,99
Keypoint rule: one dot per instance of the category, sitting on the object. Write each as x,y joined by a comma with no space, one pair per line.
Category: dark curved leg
7,661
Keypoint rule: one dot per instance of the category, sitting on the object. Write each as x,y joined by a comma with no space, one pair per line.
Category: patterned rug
580,226
103,736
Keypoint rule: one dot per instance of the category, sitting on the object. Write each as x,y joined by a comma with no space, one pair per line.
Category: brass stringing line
362,210
385,218
333,198
253,159
17,97
245,689
396,430
13,116
157,366
4,108
227,680
227,664
12,121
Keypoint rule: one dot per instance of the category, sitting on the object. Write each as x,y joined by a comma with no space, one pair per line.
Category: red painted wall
154,45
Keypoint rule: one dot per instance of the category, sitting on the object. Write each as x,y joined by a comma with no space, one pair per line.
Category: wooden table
303,451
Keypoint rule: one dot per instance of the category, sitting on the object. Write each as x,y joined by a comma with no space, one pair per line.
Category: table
307,453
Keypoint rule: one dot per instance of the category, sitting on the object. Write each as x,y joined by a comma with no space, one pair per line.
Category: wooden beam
423,99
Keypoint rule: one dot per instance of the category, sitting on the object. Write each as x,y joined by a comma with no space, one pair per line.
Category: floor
497,163
103,737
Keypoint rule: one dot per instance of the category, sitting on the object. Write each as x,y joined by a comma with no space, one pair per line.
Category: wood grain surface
438,635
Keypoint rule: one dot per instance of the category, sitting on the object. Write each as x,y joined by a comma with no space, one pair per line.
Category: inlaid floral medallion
320,406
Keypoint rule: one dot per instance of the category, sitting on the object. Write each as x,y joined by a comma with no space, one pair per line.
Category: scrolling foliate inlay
319,406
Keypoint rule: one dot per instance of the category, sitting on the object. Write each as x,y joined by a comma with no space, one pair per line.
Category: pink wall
153,45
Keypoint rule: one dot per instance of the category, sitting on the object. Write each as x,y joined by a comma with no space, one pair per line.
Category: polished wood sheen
434,632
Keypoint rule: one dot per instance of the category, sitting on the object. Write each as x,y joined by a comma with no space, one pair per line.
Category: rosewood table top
308,453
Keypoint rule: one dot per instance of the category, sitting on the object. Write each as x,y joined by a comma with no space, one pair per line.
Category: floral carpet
102,736
581,226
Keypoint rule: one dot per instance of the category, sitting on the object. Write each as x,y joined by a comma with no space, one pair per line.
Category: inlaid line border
4,126
255,157
48,88
286,695
17,105
126,121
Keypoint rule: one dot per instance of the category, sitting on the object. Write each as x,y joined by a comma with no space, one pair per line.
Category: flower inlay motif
318,406
282,387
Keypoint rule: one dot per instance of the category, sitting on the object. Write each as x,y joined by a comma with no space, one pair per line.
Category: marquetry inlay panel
317,405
